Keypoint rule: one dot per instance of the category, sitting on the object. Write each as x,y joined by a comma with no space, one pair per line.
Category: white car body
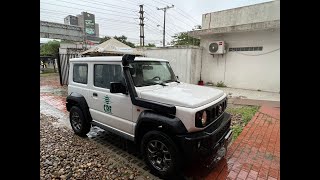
187,98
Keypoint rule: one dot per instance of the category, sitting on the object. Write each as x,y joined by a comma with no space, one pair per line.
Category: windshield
146,73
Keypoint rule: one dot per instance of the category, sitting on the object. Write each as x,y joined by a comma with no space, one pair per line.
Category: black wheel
78,122
161,154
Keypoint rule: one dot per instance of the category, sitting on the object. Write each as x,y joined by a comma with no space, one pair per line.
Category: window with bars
259,48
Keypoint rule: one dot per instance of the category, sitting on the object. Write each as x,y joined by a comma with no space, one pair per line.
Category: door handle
95,94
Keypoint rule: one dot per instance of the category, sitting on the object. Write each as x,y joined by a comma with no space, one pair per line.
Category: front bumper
209,144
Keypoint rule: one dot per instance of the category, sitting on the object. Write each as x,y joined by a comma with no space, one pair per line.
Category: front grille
210,142
214,125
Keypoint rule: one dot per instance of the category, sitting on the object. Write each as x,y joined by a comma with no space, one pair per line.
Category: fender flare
76,99
167,123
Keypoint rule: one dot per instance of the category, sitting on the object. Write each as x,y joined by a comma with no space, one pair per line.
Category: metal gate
63,65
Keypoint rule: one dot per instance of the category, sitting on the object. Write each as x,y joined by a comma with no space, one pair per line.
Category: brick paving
255,154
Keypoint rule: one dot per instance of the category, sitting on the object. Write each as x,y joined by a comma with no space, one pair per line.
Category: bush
221,84
246,113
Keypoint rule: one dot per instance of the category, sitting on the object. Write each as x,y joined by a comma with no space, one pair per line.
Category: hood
185,95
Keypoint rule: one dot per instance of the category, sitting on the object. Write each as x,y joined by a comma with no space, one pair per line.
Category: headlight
204,118
201,119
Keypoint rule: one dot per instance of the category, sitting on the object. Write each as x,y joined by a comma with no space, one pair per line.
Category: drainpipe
200,82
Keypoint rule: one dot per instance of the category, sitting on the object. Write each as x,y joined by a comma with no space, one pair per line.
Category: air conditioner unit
217,47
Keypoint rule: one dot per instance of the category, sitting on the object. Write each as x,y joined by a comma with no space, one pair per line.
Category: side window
106,73
80,73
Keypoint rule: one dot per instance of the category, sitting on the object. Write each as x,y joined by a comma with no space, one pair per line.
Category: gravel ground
236,119
64,155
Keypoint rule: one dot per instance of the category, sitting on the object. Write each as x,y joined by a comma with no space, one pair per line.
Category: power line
164,9
93,7
157,23
183,21
158,20
192,18
65,13
195,21
113,27
161,2
135,4
119,24
103,3
110,20
82,9
176,25
158,30
187,18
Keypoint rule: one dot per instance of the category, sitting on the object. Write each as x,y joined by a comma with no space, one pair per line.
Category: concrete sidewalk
249,94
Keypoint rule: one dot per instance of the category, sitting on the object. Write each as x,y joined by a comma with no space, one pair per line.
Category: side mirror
117,87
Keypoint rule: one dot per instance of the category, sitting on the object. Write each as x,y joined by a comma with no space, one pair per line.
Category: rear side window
106,73
80,73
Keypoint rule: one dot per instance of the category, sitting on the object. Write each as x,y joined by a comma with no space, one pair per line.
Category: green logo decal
106,106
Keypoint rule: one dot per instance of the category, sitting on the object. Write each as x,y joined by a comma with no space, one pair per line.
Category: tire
155,156
78,122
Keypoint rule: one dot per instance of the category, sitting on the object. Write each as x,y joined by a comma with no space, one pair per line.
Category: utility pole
141,26
164,9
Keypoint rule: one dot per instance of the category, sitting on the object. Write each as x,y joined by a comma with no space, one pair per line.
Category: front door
111,109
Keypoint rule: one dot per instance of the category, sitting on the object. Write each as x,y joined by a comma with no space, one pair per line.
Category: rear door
111,109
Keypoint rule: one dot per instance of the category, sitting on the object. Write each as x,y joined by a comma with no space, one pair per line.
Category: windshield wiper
154,83
170,80
162,83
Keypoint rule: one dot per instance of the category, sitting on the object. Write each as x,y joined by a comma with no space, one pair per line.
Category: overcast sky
120,17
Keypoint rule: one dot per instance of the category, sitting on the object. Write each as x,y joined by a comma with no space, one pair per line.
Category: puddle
49,110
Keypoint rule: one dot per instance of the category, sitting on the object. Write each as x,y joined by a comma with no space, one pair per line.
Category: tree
184,39
122,39
106,38
67,41
50,49
197,27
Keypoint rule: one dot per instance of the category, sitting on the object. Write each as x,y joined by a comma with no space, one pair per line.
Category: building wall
80,21
67,20
60,31
263,12
69,48
185,61
244,71
96,26
81,24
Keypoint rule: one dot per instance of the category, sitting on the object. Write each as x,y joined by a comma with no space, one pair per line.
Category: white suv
140,99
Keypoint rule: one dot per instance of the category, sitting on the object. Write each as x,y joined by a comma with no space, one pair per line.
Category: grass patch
221,84
240,117
237,129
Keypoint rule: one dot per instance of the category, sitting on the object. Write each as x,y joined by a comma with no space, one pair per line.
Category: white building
252,52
